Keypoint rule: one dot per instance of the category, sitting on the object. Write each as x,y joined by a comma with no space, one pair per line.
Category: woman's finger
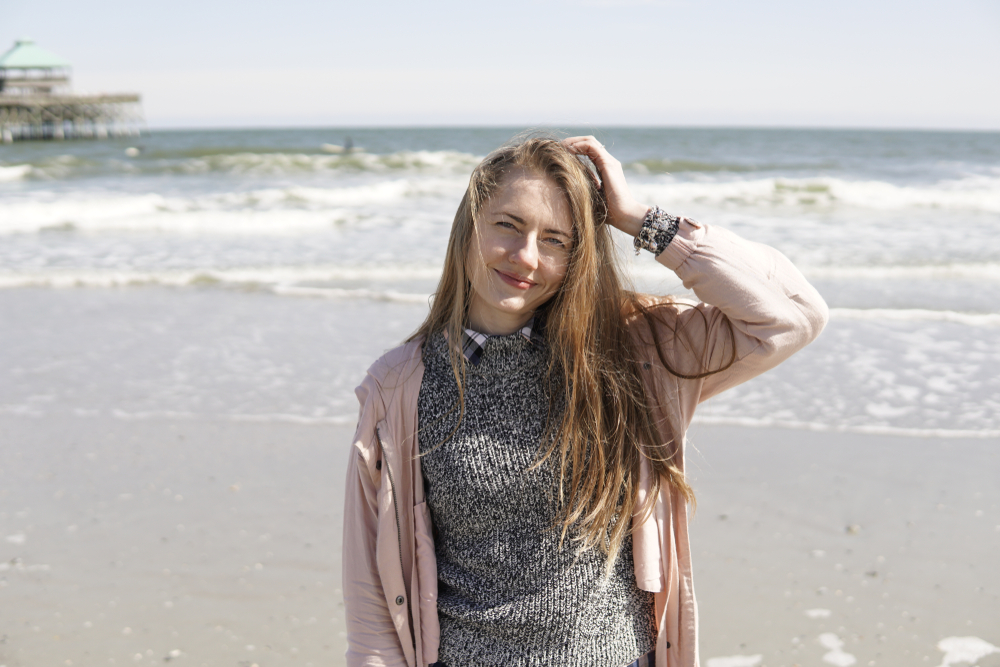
607,166
593,149
588,146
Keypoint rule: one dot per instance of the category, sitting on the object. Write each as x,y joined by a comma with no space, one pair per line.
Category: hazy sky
844,63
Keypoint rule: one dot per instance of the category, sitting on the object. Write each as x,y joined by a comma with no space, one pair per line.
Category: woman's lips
514,281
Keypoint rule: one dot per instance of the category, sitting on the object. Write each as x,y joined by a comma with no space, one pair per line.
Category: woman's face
519,253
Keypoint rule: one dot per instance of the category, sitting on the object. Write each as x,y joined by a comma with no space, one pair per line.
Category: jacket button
399,600
378,464
668,644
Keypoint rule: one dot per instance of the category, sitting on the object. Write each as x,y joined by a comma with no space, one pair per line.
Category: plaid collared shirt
473,341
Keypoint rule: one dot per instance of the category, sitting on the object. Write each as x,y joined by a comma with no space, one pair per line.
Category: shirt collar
473,341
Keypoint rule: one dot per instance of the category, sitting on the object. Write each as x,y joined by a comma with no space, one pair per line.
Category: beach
219,543
184,326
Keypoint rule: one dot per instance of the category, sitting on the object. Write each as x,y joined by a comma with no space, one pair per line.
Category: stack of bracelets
658,230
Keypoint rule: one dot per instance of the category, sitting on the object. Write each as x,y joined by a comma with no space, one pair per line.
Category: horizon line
542,126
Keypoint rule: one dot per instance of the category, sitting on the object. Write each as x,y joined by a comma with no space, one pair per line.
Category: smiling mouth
515,281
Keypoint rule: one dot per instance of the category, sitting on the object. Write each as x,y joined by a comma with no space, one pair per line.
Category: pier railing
55,116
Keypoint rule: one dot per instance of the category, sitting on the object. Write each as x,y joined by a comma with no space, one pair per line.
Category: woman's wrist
630,220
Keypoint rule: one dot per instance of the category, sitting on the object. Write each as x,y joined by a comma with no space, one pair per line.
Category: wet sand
217,543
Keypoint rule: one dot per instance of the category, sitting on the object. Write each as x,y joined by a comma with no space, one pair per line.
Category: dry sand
811,548
133,540
217,543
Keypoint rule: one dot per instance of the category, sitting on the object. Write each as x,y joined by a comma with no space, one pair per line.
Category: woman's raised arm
752,295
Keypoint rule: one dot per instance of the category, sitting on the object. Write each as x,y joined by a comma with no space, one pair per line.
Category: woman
516,490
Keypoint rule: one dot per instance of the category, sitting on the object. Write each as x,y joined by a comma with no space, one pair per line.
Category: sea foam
288,210
15,172
836,655
964,649
982,271
284,277
974,193
735,661
915,315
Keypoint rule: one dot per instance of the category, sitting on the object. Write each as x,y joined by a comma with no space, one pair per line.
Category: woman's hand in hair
624,212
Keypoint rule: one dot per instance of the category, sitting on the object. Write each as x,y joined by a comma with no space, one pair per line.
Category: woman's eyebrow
516,218
520,220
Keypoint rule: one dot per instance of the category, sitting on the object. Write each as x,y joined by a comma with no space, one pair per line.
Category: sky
794,63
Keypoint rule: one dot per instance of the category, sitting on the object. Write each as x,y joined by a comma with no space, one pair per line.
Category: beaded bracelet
658,230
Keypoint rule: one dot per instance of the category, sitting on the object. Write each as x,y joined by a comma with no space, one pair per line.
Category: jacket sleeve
372,639
756,308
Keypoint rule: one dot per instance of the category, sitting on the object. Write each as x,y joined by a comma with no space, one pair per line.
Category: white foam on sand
265,418
836,654
282,281
984,271
735,661
867,429
964,649
342,420
18,566
818,613
340,293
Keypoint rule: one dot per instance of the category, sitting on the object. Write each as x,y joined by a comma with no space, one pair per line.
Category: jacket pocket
427,578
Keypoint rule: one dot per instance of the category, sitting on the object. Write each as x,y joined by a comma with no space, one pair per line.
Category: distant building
36,102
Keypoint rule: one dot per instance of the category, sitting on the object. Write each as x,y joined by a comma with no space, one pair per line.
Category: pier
36,102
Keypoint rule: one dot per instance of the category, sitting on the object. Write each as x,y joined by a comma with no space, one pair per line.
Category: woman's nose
525,252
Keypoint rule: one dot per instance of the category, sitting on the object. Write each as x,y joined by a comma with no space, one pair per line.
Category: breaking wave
15,173
273,210
973,193
264,163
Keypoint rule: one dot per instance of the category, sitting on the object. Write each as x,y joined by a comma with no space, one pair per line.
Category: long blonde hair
606,425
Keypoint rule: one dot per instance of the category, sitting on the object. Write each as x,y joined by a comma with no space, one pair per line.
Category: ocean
252,275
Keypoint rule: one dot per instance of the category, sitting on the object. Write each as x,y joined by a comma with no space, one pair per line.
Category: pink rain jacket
389,569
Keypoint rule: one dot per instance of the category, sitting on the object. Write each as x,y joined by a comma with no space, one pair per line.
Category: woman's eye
555,241
505,224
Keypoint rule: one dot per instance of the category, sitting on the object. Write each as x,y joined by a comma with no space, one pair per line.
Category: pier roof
25,55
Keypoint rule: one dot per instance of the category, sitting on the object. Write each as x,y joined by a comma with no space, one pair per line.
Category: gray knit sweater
508,595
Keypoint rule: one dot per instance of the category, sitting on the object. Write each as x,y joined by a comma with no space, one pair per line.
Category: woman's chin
507,311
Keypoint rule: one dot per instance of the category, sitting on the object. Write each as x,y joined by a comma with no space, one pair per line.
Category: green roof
25,55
